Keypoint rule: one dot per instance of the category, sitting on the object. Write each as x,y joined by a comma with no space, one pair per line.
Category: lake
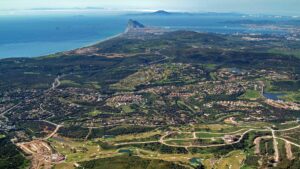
29,36
273,96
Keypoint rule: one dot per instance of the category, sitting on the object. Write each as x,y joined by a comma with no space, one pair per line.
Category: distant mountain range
166,13
218,14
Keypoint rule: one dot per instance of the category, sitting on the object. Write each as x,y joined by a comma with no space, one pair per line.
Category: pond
125,151
273,96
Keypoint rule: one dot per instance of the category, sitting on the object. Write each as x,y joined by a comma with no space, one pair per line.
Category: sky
276,7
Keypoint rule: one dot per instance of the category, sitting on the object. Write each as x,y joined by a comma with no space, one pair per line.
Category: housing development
156,98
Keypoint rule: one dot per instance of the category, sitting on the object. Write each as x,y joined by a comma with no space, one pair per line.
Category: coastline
63,51
103,40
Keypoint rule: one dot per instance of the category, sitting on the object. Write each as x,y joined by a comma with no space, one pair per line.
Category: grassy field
64,166
233,160
90,155
251,95
291,96
208,135
197,142
146,136
79,150
179,135
221,128
129,162
69,83
95,113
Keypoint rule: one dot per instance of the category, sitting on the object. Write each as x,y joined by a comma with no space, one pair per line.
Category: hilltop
161,12
133,25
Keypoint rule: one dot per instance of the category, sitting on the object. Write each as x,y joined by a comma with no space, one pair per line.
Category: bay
31,36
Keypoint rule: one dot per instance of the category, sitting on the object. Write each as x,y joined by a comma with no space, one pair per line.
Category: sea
32,36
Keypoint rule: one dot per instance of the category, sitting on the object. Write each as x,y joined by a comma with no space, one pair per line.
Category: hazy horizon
271,7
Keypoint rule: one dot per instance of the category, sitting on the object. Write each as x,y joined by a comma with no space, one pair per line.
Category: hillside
167,99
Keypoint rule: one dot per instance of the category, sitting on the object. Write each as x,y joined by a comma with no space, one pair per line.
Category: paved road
162,140
292,143
288,129
53,133
46,121
275,145
56,82
88,135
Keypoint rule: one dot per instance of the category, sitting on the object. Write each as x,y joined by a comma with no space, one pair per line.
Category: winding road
56,82
162,139
54,132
